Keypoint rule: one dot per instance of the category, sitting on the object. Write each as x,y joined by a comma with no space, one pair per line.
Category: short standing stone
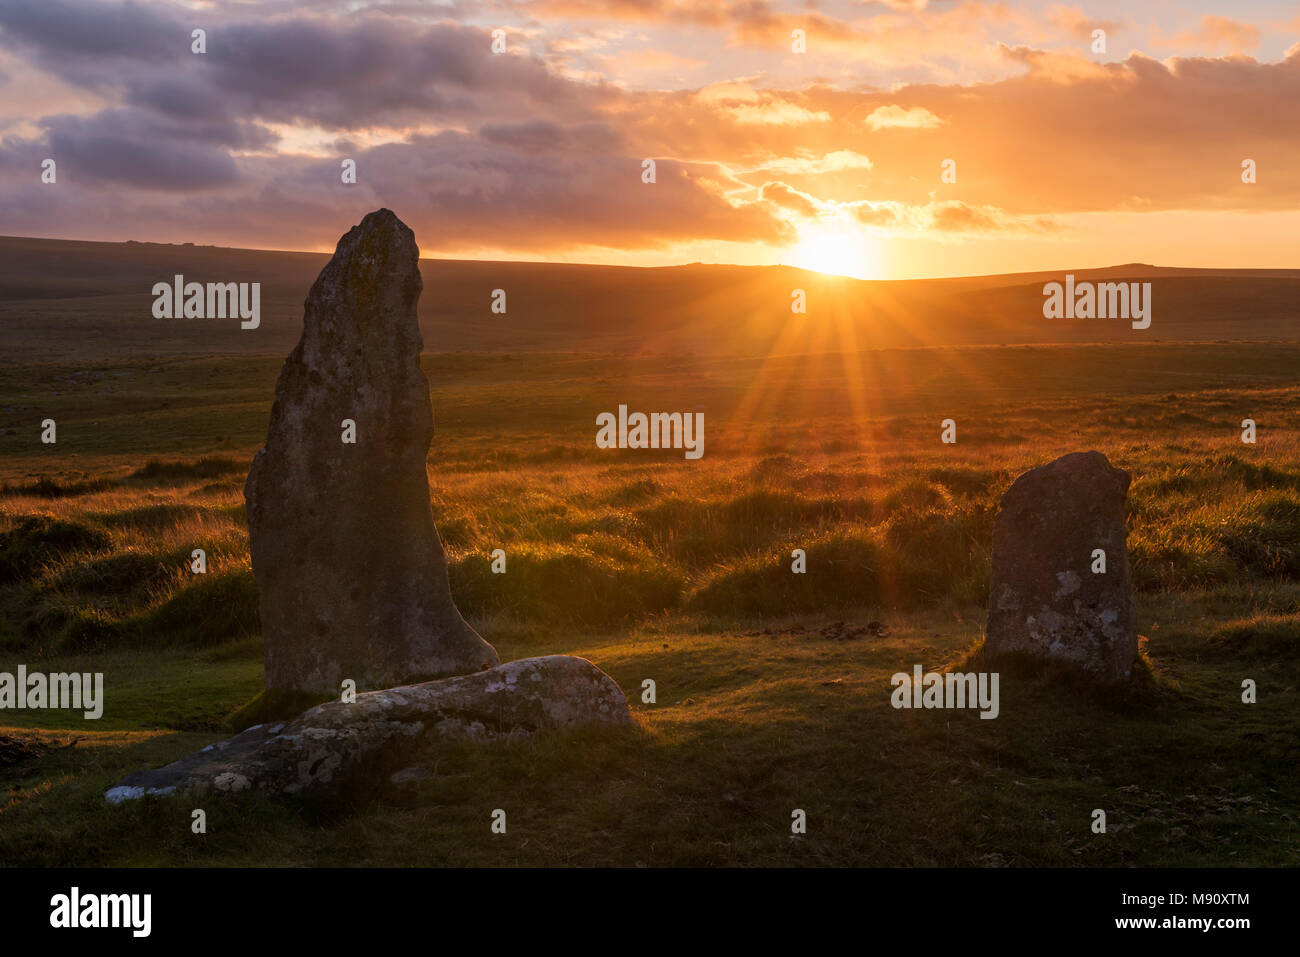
352,576
1045,598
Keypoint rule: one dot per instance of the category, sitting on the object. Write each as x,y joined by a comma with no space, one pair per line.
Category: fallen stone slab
1061,587
330,746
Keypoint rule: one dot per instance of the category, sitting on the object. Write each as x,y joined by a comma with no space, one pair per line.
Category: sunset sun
837,248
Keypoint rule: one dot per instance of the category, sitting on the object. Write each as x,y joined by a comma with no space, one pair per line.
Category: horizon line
683,265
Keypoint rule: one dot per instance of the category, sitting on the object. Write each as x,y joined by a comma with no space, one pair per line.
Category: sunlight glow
839,248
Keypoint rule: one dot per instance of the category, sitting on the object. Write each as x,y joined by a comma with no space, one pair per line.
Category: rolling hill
64,300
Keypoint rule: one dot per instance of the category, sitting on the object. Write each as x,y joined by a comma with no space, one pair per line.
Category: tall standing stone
1045,597
352,576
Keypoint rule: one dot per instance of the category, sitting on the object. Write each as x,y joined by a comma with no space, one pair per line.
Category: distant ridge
68,299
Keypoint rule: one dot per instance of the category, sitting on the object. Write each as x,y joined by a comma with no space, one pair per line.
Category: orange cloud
833,162
895,117
944,217
1076,24
1218,33
782,195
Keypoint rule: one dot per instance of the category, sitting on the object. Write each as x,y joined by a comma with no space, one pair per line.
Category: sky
807,132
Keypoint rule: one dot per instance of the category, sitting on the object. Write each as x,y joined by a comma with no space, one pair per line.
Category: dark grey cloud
108,147
61,30
462,189
133,147
179,116
344,72
179,94
548,135
352,73
185,144
457,190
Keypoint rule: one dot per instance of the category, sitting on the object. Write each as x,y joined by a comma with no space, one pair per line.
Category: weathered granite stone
332,745
1045,599
350,570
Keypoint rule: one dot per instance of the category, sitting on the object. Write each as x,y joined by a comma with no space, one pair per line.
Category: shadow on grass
1144,691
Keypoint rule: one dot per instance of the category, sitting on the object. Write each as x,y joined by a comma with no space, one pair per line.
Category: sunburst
838,248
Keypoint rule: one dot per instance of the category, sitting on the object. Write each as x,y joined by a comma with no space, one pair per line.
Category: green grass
746,729
655,567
